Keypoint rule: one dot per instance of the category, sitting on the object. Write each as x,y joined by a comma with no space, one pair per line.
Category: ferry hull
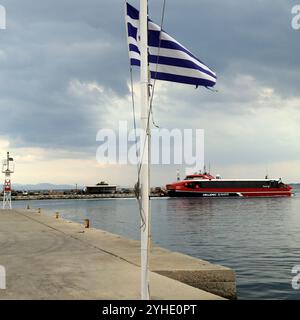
208,194
202,194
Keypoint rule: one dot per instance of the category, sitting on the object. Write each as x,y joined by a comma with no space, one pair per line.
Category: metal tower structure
7,169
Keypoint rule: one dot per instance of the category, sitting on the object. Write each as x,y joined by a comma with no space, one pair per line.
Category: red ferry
206,185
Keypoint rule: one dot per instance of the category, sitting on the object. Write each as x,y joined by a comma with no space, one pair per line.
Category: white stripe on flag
134,55
180,71
135,23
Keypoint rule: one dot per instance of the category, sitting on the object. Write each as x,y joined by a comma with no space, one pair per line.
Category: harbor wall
48,257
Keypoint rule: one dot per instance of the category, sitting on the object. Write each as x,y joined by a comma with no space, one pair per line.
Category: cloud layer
64,75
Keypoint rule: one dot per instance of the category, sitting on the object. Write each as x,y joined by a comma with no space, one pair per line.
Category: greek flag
168,59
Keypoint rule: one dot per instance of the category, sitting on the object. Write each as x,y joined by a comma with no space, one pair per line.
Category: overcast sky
64,75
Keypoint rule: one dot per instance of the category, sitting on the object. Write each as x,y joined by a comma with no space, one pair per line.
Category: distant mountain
44,186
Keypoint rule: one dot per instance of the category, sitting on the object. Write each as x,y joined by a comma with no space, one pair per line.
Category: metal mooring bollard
86,223
56,215
39,210
28,207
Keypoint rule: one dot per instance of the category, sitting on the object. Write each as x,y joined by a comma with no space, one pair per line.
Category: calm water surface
258,238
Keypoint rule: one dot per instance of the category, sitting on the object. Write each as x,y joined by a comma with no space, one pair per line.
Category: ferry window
273,184
190,185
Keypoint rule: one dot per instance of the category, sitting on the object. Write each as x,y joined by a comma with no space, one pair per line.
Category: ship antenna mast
7,169
178,175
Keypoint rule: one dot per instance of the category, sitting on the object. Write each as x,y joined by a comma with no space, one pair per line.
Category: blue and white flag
168,59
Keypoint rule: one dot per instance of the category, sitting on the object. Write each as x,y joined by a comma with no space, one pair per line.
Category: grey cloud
49,43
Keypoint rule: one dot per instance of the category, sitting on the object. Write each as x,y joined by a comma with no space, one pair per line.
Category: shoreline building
101,188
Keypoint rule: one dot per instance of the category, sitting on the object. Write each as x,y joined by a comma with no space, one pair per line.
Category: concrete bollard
86,223
57,215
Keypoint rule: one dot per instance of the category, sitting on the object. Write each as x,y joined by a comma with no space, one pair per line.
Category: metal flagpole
144,173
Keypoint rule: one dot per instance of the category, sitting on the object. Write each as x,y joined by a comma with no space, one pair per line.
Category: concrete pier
49,258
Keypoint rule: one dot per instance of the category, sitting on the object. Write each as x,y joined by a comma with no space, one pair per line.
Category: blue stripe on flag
132,31
181,79
135,62
132,12
134,48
